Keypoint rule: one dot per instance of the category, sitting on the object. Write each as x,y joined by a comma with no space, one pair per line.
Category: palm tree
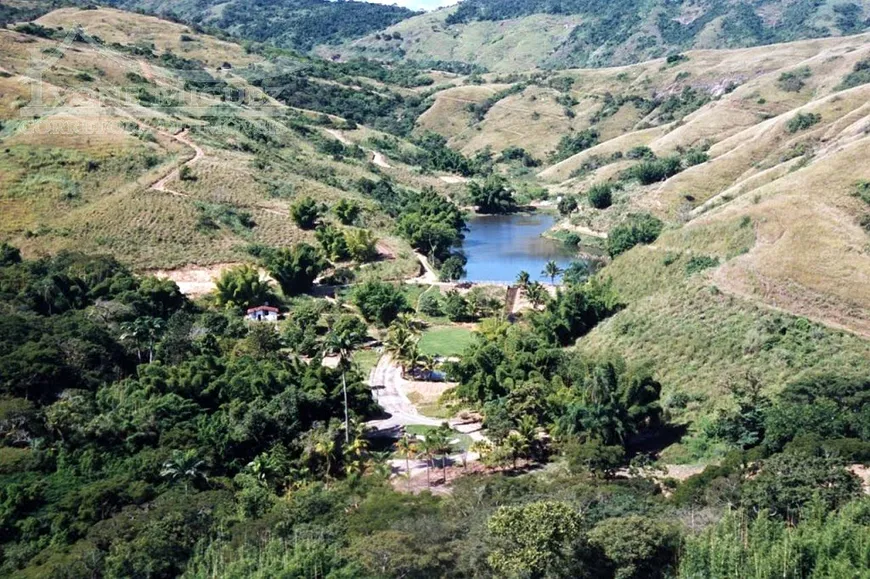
552,271
536,293
439,438
407,447
145,329
342,344
523,279
516,445
183,466
410,323
427,366
427,449
483,448
380,461
322,441
528,429
401,344
355,451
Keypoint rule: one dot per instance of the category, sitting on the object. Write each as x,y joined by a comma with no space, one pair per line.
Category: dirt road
386,383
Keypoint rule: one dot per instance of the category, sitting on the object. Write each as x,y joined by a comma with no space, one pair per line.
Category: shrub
802,121
700,263
640,152
9,255
862,191
656,170
794,81
361,245
347,211
600,195
213,215
637,229
572,239
567,205
695,157
430,305
860,75
453,268
305,213
186,174
570,145
296,268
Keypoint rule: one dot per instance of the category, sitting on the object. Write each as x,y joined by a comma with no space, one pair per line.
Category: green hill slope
507,35
298,24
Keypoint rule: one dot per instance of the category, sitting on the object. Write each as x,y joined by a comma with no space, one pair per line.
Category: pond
498,247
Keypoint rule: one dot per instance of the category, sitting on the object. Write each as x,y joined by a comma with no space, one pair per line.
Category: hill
296,24
510,36
691,400
92,134
766,196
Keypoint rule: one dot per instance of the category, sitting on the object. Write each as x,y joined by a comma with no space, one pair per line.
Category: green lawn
445,341
366,360
463,441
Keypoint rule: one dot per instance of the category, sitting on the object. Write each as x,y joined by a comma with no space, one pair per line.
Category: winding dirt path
199,154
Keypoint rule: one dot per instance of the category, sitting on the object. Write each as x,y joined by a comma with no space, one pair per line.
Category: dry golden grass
129,28
532,120
449,116
500,46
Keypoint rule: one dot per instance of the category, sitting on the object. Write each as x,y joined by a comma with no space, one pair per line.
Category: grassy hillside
768,198
506,35
91,136
764,152
297,24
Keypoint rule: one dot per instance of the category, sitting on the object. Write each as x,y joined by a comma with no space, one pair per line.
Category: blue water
498,247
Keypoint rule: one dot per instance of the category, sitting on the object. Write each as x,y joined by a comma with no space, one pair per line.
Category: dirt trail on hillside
380,160
199,154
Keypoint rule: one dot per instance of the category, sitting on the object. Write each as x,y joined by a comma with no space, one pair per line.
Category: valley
342,289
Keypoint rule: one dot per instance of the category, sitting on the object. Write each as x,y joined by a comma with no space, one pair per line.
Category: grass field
366,360
462,441
445,341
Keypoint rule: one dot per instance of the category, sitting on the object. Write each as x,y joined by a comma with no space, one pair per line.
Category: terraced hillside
511,36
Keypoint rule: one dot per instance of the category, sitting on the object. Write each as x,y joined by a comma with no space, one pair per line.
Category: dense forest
144,435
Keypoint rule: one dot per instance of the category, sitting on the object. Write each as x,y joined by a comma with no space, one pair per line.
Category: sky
418,4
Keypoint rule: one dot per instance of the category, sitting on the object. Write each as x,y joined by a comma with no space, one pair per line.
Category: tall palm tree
342,344
407,447
552,271
145,330
183,466
439,438
428,449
